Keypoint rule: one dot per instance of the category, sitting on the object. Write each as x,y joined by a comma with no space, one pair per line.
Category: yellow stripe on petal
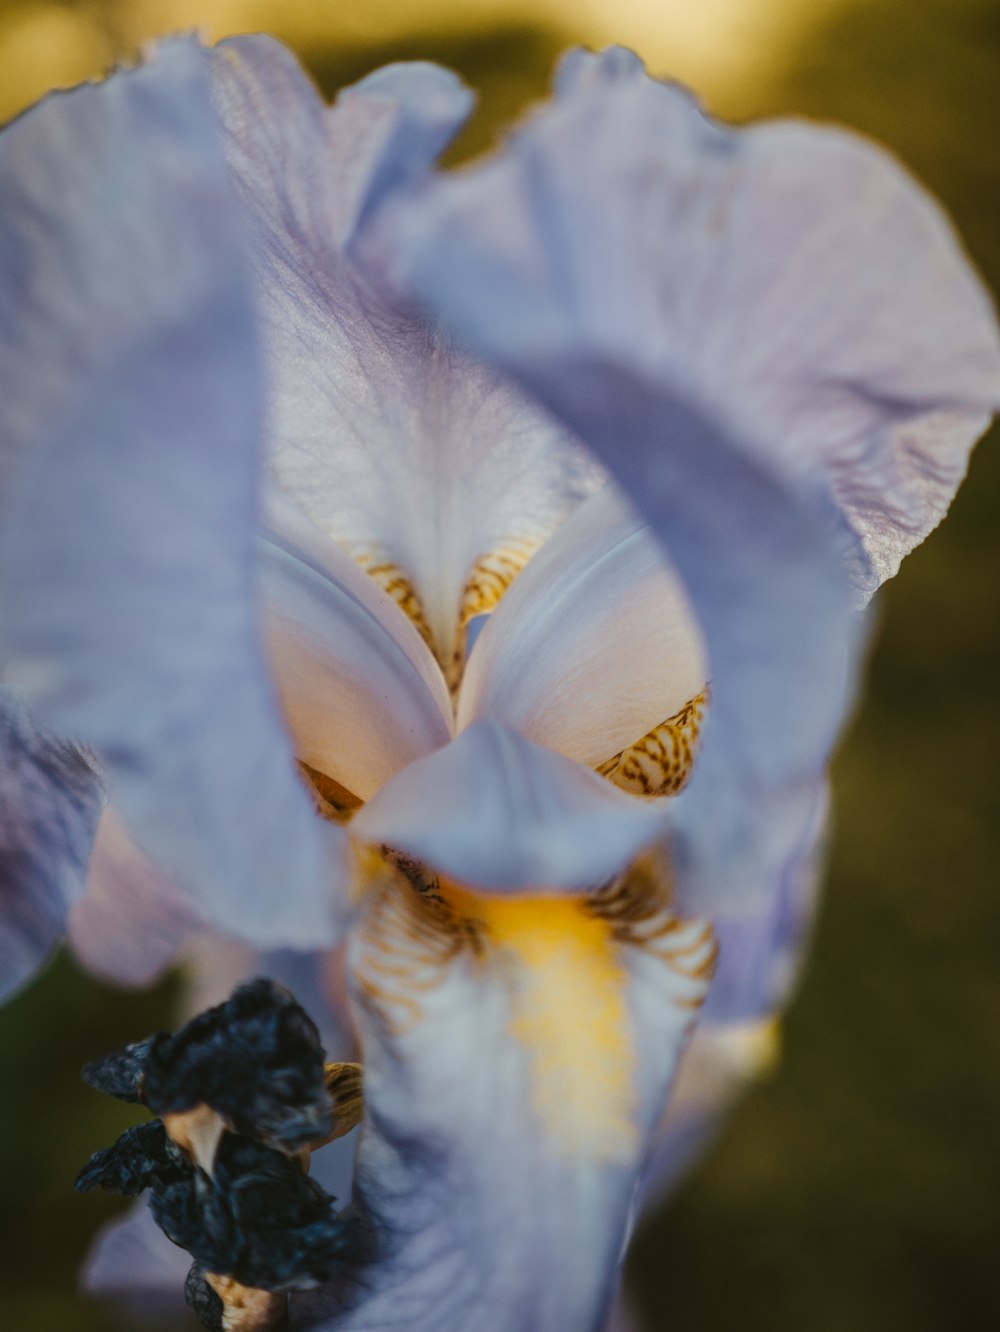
489,578
391,579
569,1012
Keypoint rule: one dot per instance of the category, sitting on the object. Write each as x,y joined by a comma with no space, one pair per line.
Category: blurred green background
858,1187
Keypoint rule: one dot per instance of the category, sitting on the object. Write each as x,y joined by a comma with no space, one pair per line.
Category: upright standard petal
496,812
422,463
361,692
498,1191
793,277
595,644
131,414
50,798
531,260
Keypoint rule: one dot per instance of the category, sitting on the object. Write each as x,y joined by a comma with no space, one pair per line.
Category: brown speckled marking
246,1309
345,1083
638,909
410,936
489,578
660,763
390,577
332,800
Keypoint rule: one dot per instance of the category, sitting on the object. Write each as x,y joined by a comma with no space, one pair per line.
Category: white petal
389,440
509,1087
361,692
497,812
595,643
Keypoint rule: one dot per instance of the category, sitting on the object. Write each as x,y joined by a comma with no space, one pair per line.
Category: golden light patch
332,800
569,1012
660,763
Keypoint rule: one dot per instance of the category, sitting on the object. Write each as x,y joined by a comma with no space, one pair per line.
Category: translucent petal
395,445
133,921
361,693
595,643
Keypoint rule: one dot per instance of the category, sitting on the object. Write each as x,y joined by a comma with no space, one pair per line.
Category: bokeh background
858,1185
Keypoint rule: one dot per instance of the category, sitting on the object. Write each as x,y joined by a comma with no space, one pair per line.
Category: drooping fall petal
498,1190
132,416
770,338
50,800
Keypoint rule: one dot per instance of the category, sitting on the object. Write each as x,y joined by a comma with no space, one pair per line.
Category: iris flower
517,521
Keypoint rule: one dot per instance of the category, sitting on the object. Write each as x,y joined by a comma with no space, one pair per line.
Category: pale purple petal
594,645
131,411
737,1037
495,811
760,952
793,277
132,921
50,799
557,261
133,1261
389,440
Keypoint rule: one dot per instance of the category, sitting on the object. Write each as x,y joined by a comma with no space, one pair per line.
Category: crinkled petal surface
792,276
361,692
594,644
50,800
772,340
131,413
390,441
499,1188
494,811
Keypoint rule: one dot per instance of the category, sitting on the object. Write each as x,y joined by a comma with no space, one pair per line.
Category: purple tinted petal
760,953
391,442
792,277
132,921
50,798
132,1260
132,415
558,262
495,811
